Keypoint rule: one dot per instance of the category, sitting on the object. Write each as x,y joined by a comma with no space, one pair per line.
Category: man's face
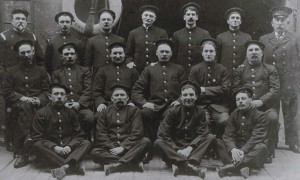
254,54
64,23
119,97
188,97
19,22
106,21
164,53
234,20
243,101
58,96
190,17
26,53
69,56
209,53
117,55
280,24
148,18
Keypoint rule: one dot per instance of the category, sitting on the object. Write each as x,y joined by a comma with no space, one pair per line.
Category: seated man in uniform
183,136
119,134
243,145
214,81
57,134
79,80
25,89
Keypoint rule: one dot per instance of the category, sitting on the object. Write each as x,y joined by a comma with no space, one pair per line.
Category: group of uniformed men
183,107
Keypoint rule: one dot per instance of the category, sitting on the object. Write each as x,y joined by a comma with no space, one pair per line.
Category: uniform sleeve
130,47
236,80
274,86
86,96
48,57
81,53
230,136
78,134
221,89
219,40
99,88
39,54
164,35
89,56
175,41
182,75
101,135
193,74
259,133
165,129
43,97
202,130
8,88
139,88
137,130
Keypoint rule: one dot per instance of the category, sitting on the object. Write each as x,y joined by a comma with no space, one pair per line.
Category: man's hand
26,99
75,105
60,151
202,90
116,151
185,152
67,149
256,103
130,65
175,103
131,104
101,107
149,105
35,100
237,155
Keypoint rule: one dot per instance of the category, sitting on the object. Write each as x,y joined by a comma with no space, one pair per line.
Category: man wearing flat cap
282,50
9,57
263,79
140,42
79,80
231,42
64,21
115,72
120,144
243,144
183,136
96,51
214,81
58,138
25,91
158,88
187,40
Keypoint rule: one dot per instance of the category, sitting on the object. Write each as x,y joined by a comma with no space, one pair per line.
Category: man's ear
49,96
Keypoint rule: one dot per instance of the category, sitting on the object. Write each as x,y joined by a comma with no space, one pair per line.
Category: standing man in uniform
120,134
263,79
96,51
187,40
79,80
231,42
25,86
161,80
115,72
183,136
64,21
214,81
243,144
141,41
282,50
59,140
11,58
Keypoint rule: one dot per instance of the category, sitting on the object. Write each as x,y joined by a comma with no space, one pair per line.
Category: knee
222,119
88,116
261,147
158,143
211,138
272,117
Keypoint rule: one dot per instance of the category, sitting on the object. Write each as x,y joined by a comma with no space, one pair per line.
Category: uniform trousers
255,158
51,157
272,137
134,155
169,154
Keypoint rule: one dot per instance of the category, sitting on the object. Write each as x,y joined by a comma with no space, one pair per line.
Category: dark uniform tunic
58,127
109,75
180,128
79,80
162,82
53,57
120,128
96,50
8,56
283,53
141,47
188,47
29,81
246,130
232,50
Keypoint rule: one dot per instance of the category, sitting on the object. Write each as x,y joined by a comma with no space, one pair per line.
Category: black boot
21,161
223,171
196,170
112,168
245,172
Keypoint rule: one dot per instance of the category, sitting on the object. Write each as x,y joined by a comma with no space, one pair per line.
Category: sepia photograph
149,89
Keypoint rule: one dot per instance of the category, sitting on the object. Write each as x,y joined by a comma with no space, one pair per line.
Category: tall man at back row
282,49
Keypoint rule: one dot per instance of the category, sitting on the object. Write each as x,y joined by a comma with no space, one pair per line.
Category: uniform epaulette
153,64
3,36
34,37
